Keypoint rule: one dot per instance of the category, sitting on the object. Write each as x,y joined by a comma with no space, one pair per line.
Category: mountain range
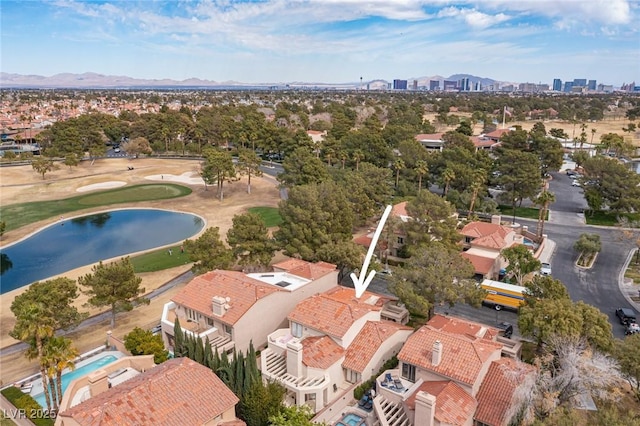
90,80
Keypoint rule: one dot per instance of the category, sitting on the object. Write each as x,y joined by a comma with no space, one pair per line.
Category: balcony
274,366
278,340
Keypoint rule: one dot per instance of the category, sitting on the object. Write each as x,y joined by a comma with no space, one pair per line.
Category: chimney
294,358
436,353
98,382
219,305
496,219
425,409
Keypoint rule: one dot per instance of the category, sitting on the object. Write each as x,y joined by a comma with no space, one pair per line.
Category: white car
575,183
545,269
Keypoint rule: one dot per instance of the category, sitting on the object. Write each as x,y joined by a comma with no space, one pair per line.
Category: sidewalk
630,291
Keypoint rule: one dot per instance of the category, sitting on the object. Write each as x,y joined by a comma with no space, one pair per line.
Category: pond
71,243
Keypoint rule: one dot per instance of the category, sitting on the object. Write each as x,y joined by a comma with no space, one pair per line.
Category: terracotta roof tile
429,136
242,290
334,312
400,209
481,265
463,327
488,235
496,391
320,352
304,269
454,406
370,338
176,392
462,355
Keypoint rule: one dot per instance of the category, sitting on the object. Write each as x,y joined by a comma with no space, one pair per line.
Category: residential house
397,240
134,391
451,372
334,340
483,243
233,309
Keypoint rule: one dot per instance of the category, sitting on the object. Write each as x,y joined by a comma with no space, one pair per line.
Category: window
209,322
227,329
192,315
296,329
400,240
468,239
409,372
352,376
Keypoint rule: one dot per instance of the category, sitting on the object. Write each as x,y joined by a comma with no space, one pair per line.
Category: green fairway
160,259
270,215
17,215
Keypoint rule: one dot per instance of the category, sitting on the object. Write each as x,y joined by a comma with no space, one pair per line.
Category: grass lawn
270,215
17,215
607,218
524,212
158,260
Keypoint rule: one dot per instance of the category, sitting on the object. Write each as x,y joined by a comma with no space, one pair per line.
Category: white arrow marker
361,283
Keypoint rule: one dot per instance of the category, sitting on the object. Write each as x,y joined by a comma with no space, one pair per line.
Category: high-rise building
434,85
450,85
464,85
399,84
557,85
414,86
581,82
568,86
591,85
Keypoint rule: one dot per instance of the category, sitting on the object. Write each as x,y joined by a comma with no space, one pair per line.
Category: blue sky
331,41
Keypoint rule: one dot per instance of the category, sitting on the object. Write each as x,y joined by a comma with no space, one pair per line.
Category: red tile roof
400,209
462,356
176,392
496,391
304,269
489,235
497,133
368,341
463,327
334,312
454,406
429,137
481,265
242,291
320,352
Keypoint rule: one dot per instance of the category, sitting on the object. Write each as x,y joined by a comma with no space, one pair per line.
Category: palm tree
33,326
343,157
62,354
593,133
421,169
398,165
479,178
448,175
543,200
358,156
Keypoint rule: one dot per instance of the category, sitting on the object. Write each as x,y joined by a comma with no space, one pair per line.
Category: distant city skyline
328,41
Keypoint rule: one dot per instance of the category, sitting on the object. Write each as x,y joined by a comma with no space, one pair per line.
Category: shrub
389,364
30,406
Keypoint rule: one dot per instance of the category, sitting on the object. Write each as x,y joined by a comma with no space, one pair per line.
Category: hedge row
32,409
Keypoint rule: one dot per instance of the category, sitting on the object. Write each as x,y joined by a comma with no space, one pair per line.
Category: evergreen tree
178,340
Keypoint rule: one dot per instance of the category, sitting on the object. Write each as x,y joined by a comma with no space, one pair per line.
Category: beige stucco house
333,340
233,309
451,372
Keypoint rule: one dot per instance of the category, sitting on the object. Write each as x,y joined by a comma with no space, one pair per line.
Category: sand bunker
102,185
189,178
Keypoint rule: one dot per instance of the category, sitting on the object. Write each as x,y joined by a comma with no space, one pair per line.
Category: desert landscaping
20,184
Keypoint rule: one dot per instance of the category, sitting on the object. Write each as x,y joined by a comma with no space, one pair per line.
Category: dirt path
22,184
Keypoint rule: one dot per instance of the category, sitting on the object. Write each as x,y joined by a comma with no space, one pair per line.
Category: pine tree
208,354
178,340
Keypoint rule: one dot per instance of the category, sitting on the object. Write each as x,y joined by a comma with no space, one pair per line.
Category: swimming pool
351,420
69,376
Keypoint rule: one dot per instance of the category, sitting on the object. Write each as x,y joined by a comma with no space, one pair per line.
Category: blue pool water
351,419
78,372
80,241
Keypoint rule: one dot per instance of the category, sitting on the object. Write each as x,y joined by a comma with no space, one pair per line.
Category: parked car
571,172
626,315
632,328
506,328
157,329
116,150
545,269
575,183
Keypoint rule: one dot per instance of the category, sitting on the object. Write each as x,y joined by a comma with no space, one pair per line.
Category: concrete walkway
547,251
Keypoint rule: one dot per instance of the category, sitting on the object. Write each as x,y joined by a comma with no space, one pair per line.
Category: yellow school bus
502,295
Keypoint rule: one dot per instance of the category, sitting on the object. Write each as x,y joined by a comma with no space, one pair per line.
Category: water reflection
5,263
76,242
